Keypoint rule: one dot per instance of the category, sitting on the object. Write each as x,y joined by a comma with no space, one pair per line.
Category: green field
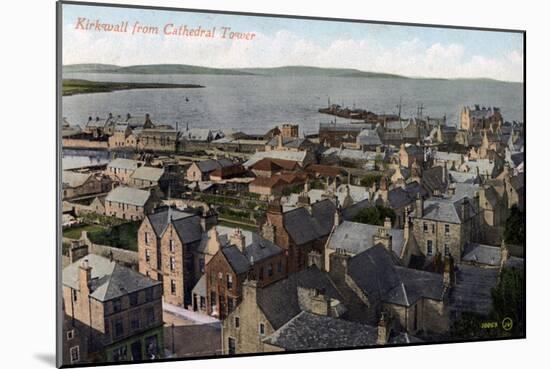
81,86
75,232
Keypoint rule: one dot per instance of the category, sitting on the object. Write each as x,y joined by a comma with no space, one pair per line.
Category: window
270,270
147,255
229,281
203,302
75,354
425,227
119,354
70,334
262,329
146,238
150,316
429,245
172,287
201,265
172,263
230,304
134,323
107,327
117,306
261,273
172,245
119,328
231,346
212,300
237,322
75,295
447,229
447,252
280,267
433,228
133,299
149,294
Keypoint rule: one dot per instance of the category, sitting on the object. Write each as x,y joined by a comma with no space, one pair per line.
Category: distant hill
148,69
292,70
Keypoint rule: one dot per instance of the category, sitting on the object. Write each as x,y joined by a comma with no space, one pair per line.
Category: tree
374,215
509,299
369,179
514,229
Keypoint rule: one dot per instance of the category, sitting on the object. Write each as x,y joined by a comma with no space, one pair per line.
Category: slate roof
307,331
298,156
148,174
434,178
355,238
109,279
200,287
122,163
369,137
483,254
279,300
304,227
350,154
159,220
447,156
376,272
400,197
445,210
463,177
128,195
207,166
188,229
472,290
257,248
79,162
74,179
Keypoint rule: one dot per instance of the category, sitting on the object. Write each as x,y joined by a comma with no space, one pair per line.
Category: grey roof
200,287
298,156
148,173
256,249
515,262
447,156
400,197
369,137
307,331
518,158
483,254
109,279
128,195
463,177
279,301
304,227
159,220
122,163
351,154
74,179
207,166
472,290
355,238
445,210
189,229
376,272
434,178
78,162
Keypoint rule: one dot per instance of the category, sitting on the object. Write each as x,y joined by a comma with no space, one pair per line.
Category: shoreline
72,87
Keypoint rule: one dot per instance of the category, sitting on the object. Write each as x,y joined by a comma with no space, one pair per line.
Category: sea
254,104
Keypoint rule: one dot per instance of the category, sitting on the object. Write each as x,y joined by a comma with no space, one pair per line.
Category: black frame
59,64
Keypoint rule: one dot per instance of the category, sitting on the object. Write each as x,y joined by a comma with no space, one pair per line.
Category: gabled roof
400,197
74,179
148,174
445,210
377,273
109,279
355,238
271,164
207,166
298,156
159,220
483,254
189,229
304,227
279,300
434,178
128,195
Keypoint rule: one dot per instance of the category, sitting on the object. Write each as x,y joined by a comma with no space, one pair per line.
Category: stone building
267,167
163,139
442,226
480,118
129,203
336,134
241,255
276,184
300,230
147,177
169,251
408,154
76,184
121,169
201,170
120,309
123,137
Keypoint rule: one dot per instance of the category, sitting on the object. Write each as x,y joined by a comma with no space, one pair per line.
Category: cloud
411,57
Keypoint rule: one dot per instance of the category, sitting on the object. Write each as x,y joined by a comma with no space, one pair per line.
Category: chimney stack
85,276
387,223
237,239
383,330
419,206
383,237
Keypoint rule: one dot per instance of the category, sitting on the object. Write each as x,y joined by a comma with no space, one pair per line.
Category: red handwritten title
169,29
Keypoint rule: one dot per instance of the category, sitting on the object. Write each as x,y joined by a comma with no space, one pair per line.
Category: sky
405,50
